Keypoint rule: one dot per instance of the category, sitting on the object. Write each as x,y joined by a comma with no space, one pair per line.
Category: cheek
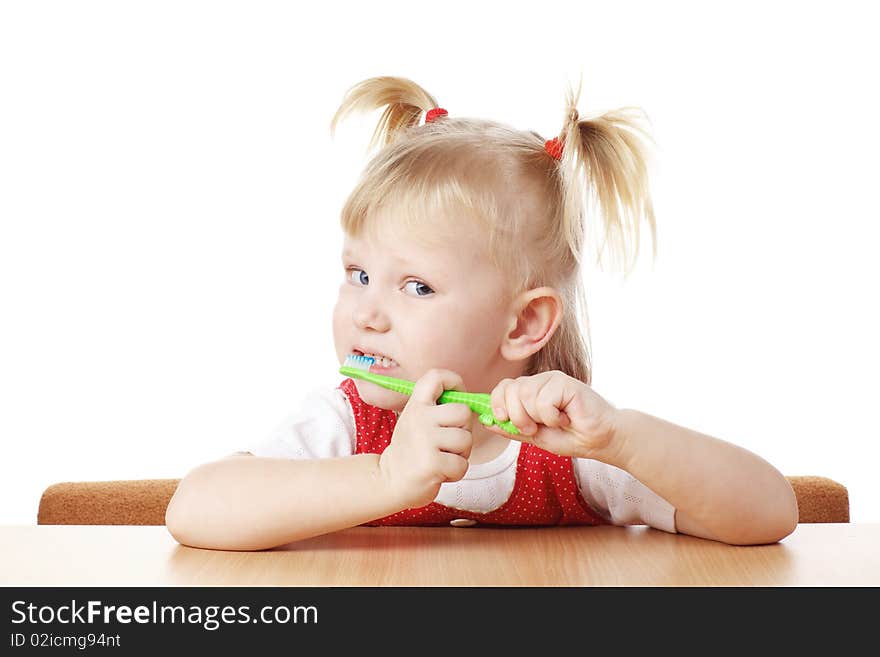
341,316
458,339
479,335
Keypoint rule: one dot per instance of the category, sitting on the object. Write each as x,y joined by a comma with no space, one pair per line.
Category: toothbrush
358,367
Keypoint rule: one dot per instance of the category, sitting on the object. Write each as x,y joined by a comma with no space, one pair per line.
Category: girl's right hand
431,444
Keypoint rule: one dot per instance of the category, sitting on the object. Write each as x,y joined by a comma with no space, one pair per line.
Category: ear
535,316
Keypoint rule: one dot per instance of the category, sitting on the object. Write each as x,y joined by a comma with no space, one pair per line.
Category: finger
528,396
521,437
548,400
517,412
497,400
432,384
452,415
452,466
456,441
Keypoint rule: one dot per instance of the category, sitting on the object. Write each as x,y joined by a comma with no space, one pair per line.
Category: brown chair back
143,501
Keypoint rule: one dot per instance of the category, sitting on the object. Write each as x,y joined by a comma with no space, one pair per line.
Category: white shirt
324,427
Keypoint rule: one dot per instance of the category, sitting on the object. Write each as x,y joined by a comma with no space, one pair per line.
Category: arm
720,491
243,502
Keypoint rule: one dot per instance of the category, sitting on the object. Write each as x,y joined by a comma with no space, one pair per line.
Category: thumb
432,384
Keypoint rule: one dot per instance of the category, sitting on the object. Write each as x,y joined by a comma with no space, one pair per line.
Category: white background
170,194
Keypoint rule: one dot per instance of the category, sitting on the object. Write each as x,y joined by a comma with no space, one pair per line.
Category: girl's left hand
555,412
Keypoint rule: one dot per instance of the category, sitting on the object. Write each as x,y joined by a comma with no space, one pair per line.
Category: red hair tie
554,147
434,113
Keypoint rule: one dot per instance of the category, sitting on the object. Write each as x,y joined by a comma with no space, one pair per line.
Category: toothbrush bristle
359,362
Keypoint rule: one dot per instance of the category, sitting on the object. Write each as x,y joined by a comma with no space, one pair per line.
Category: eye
420,288
359,276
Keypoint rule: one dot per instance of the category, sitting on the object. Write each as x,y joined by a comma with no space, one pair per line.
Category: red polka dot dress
545,491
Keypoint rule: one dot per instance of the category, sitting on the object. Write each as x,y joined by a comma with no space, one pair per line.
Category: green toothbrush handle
479,402
387,382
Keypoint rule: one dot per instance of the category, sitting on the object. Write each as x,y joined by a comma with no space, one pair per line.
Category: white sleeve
621,498
322,427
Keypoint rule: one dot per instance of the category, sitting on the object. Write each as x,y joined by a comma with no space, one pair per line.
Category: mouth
382,362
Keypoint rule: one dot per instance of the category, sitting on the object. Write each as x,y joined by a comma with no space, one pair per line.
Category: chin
380,397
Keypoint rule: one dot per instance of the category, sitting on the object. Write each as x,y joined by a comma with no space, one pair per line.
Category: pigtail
404,103
602,173
607,154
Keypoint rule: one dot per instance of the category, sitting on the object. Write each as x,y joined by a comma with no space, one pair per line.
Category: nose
369,312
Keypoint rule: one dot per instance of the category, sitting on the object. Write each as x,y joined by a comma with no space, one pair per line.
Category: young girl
462,252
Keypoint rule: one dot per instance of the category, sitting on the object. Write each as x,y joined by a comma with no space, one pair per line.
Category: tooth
381,361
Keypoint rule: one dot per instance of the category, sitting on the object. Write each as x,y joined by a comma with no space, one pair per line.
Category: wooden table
79,555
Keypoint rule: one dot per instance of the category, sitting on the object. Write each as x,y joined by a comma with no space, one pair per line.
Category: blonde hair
530,208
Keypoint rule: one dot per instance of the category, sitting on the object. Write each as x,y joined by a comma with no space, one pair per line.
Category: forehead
406,226
401,249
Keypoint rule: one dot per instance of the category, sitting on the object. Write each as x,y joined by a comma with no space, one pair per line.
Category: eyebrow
347,253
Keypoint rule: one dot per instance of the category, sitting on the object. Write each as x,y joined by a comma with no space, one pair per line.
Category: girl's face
424,307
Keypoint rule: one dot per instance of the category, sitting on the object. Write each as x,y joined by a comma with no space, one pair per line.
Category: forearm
720,491
254,503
